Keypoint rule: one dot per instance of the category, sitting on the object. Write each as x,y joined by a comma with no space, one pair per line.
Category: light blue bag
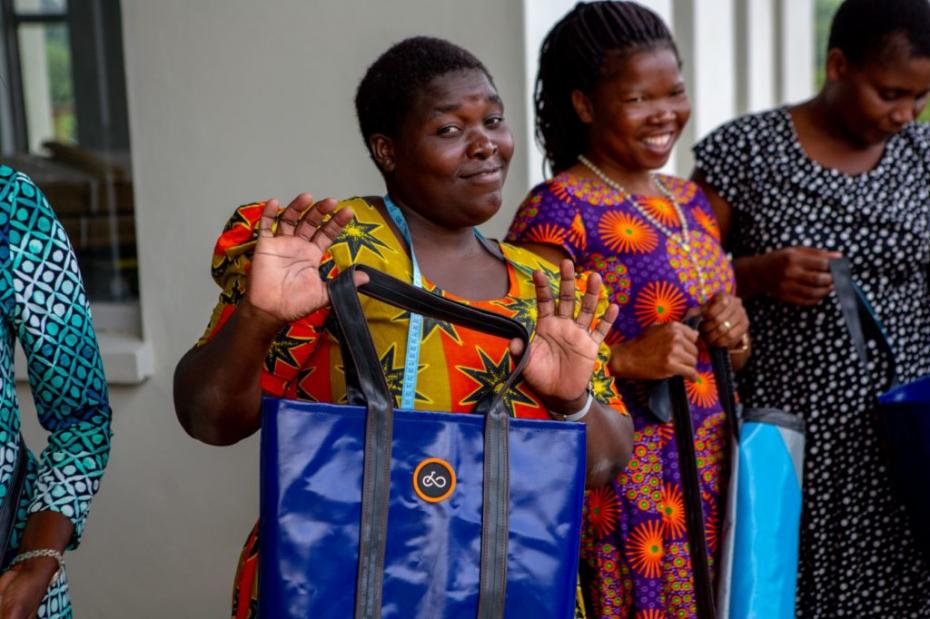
761,526
759,558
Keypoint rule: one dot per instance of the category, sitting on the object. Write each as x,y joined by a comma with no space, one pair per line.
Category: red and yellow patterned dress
635,560
459,368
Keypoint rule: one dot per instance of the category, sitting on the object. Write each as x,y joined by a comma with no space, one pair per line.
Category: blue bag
371,512
903,410
761,525
759,556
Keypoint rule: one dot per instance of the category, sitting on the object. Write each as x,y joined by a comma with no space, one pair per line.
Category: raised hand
284,282
725,323
658,352
565,347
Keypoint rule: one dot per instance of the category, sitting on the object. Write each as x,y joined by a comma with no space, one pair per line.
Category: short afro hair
868,30
390,87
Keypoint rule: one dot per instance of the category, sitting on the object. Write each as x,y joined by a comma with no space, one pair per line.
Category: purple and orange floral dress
635,560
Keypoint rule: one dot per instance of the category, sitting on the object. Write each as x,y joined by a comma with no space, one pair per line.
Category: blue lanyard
415,329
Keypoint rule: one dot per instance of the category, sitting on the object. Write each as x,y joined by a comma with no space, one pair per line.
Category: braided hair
572,58
874,30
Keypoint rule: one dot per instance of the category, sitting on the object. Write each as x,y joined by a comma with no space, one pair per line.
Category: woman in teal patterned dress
44,306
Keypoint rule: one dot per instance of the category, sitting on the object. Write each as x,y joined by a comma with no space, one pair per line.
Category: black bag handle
859,316
694,510
726,387
363,361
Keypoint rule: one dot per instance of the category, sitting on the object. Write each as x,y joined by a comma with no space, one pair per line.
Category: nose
662,114
481,146
904,113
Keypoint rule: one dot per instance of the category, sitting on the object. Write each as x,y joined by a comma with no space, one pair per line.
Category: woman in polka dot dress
845,173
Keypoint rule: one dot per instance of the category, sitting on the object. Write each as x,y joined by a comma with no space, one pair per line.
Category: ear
837,66
382,149
583,107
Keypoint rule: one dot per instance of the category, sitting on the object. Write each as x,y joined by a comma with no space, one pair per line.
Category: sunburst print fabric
459,369
635,560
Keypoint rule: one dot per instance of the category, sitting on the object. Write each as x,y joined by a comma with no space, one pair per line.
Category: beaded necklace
683,240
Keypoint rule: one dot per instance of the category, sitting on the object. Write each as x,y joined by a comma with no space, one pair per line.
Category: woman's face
878,99
449,160
637,111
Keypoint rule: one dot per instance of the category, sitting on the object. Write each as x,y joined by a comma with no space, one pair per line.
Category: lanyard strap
415,328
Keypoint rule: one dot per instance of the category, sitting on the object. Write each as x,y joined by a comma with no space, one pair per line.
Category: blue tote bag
903,409
761,526
367,511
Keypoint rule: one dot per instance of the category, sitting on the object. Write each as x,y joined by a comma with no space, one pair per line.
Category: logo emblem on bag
434,480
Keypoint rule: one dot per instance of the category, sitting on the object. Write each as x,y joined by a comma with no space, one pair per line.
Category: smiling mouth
660,142
487,174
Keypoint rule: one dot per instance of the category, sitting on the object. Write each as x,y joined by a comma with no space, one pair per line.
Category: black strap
379,426
726,387
361,356
11,501
691,485
860,318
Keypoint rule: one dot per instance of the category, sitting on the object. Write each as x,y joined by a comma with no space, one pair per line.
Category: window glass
66,126
48,90
31,7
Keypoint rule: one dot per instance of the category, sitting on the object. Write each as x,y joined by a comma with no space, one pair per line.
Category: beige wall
232,100
235,100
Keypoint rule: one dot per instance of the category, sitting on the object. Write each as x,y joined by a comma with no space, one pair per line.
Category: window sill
127,360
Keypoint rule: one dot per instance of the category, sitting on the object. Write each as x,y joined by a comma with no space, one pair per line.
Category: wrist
742,346
573,409
257,320
618,363
42,563
749,279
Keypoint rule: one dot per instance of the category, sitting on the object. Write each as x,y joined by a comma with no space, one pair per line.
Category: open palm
284,281
565,347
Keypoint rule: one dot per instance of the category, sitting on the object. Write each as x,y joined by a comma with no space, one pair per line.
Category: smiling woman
611,103
434,125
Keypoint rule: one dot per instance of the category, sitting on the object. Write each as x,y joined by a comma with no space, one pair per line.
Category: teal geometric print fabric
43,305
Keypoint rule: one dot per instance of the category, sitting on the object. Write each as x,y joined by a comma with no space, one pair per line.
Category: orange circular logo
434,480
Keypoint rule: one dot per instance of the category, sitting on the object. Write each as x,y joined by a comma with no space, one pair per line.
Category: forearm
750,280
217,387
609,444
46,530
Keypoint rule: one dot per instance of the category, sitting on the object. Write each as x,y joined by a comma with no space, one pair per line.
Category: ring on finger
726,326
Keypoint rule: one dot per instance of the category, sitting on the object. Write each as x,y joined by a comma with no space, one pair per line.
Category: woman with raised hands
433,124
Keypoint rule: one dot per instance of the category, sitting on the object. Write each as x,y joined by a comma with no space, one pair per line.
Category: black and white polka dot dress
858,556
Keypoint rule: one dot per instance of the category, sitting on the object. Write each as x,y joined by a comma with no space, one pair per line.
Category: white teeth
659,141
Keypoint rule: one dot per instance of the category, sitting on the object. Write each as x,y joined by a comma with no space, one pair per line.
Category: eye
448,131
494,121
679,92
634,99
889,95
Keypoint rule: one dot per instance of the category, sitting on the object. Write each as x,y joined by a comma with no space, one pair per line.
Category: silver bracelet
581,414
42,552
